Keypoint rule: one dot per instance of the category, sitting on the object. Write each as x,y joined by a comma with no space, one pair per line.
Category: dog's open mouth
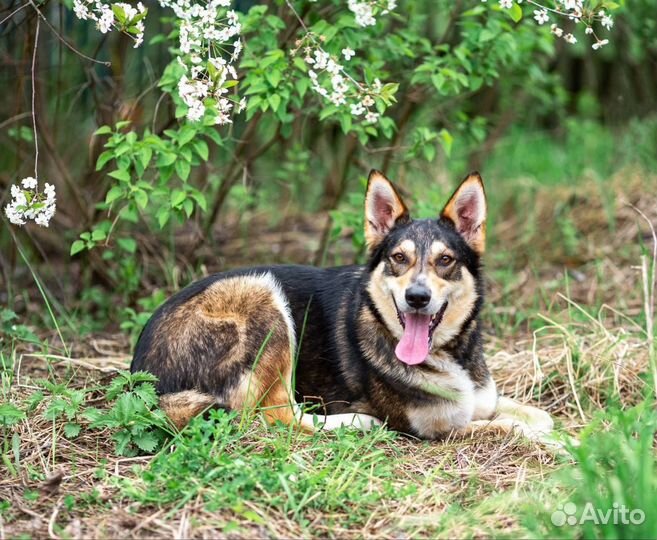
413,348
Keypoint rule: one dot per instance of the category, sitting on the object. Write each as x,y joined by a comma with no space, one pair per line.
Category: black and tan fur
233,339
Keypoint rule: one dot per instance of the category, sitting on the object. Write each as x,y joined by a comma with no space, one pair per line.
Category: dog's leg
181,407
537,420
510,416
330,422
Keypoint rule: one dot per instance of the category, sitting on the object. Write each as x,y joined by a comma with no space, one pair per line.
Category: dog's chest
453,403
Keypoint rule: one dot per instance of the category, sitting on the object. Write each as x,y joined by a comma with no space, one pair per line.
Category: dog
397,340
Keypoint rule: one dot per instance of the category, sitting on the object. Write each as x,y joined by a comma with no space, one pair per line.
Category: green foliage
134,321
218,461
9,330
614,465
136,423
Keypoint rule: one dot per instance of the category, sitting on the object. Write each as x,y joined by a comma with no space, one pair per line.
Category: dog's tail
181,407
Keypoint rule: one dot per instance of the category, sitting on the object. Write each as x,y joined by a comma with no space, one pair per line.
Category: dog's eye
445,260
399,258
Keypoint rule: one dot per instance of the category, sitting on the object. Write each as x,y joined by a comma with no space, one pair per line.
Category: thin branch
36,139
13,13
15,118
68,45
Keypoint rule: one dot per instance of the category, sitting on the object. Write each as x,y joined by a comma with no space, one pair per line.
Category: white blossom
371,117
348,53
28,204
29,182
506,4
541,16
556,30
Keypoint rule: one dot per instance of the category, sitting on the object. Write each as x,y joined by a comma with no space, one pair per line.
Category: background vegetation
566,140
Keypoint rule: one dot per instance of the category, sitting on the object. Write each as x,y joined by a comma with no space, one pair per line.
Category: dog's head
425,274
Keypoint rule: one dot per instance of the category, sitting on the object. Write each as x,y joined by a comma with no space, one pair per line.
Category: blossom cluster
364,11
329,79
119,15
27,203
573,10
209,45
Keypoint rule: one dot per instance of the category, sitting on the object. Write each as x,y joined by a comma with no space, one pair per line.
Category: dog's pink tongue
413,347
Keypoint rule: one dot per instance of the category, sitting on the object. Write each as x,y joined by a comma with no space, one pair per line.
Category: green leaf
429,152
123,439
146,391
275,101
183,169
145,155
97,235
446,141
141,198
147,441
515,12
202,149
106,156
113,194
10,414
127,244
166,158
162,216
72,430
103,130
120,174
77,246
274,77
201,201
188,206
187,133
177,197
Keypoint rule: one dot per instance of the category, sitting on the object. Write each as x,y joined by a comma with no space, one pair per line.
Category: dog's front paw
537,420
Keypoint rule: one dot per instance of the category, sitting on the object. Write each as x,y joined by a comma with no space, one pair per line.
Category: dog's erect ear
383,209
466,209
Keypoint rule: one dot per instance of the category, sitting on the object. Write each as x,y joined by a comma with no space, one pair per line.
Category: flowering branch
27,202
575,10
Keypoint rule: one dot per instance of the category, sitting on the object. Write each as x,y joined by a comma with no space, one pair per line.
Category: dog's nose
418,296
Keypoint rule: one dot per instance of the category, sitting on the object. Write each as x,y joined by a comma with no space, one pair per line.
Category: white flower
357,109
105,20
368,101
371,117
362,12
39,207
348,53
599,43
556,30
607,22
29,182
588,30
569,38
80,10
506,4
237,48
541,16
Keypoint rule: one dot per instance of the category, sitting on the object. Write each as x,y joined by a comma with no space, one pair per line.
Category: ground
567,330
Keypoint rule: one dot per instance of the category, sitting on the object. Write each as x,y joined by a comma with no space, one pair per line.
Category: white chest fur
457,402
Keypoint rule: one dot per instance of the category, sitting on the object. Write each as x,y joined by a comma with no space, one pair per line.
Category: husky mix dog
396,341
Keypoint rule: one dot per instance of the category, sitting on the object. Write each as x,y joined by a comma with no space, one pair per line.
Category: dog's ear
384,209
466,209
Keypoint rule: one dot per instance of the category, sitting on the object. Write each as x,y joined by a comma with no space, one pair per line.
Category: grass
86,452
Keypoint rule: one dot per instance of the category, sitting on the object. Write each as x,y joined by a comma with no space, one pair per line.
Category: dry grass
574,361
